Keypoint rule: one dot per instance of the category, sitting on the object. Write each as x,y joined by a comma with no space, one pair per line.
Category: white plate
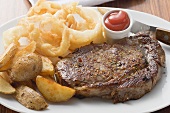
158,98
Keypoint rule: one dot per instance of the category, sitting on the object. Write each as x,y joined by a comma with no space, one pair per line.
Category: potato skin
53,91
48,68
8,54
30,98
26,67
5,87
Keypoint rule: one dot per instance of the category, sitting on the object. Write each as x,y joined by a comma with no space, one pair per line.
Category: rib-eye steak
127,69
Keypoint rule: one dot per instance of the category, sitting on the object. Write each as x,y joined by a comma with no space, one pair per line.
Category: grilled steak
127,69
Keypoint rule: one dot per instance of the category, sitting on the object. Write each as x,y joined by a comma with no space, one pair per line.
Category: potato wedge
5,87
26,67
6,77
8,54
53,91
30,48
47,68
30,98
7,66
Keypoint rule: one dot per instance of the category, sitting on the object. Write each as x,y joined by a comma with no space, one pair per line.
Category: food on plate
57,34
13,34
43,6
86,27
30,98
47,67
52,31
47,49
5,76
125,70
53,91
7,55
102,10
117,20
5,87
26,50
7,66
26,67
25,64
71,37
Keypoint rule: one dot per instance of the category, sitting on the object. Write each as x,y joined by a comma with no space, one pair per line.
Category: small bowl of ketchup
117,24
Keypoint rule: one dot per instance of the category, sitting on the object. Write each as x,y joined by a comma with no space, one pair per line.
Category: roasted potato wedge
30,98
8,54
5,87
47,68
7,66
30,48
26,67
53,91
6,77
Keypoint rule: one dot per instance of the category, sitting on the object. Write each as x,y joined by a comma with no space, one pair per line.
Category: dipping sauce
117,21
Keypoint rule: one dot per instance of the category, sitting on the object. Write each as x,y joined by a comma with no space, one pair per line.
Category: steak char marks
127,69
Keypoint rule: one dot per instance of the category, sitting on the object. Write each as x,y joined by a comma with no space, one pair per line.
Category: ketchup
117,21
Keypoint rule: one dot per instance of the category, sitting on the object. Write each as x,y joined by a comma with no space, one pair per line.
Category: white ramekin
111,35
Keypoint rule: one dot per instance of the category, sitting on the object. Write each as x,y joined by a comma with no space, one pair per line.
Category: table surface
14,8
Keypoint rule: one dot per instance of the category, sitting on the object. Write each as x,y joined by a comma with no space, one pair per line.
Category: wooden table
10,9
